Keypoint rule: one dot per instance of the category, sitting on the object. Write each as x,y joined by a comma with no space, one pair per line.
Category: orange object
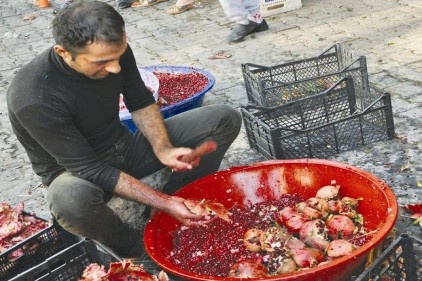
42,3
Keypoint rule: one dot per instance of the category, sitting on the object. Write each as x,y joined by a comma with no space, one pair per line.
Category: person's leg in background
246,15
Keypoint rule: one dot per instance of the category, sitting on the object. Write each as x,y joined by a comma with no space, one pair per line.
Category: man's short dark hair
85,22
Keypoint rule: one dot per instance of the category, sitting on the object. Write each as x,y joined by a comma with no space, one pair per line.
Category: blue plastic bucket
192,102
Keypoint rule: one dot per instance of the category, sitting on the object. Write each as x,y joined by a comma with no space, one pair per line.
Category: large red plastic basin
267,180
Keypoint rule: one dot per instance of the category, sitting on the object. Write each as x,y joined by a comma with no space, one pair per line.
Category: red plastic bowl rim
382,232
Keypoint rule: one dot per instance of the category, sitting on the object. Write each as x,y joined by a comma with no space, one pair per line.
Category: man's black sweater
65,120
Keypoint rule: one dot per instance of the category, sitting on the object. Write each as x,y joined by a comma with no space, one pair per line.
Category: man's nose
113,67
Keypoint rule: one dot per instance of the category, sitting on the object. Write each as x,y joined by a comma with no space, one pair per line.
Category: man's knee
231,120
73,198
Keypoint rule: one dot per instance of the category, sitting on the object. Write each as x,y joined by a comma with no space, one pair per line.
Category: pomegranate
307,257
273,238
328,192
291,218
314,234
348,207
338,248
306,209
340,226
248,269
320,204
295,222
281,264
294,243
333,206
286,213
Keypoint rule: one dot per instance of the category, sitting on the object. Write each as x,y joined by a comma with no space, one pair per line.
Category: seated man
64,109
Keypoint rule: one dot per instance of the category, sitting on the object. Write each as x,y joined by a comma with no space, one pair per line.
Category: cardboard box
273,7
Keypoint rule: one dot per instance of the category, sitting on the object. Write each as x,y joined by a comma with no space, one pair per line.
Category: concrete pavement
387,32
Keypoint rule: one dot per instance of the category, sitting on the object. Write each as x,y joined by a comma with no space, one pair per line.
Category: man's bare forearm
133,189
150,122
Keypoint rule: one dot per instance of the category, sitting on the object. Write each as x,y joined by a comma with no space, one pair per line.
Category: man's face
96,60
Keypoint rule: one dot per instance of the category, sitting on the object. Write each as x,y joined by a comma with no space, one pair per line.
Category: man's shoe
240,31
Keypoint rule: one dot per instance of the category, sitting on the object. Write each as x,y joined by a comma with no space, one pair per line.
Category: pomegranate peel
251,240
120,271
207,207
328,192
198,152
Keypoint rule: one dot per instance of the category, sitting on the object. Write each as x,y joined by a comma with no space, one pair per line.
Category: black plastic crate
401,261
35,250
69,264
271,86
321,125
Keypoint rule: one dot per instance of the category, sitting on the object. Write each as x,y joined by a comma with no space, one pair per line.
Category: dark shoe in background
240,31
123,4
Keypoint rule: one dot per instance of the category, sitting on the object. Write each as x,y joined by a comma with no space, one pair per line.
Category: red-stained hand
179,211
194,157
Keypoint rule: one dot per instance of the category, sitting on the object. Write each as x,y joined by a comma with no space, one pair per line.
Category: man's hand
180,212
150,122
183,159
194,157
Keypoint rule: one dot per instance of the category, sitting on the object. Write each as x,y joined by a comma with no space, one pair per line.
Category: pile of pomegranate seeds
273,237
214,249
175,87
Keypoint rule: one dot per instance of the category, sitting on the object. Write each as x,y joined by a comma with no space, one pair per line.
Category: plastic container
321,125
69,264
193,102
266,181
402,260
35,250
276,85
273,7
152,83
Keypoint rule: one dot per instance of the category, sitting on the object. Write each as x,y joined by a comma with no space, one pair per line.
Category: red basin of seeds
268,180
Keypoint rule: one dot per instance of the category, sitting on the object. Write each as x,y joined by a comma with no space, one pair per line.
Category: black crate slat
402,260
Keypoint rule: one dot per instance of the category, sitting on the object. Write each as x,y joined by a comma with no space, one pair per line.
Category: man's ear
61,51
